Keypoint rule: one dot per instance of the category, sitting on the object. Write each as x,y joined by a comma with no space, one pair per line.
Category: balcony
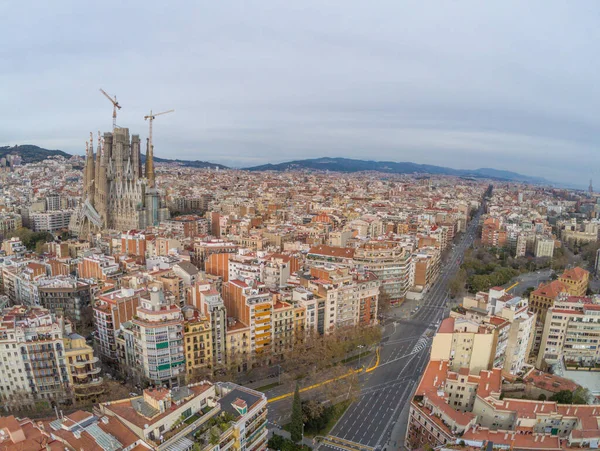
89,372
82,363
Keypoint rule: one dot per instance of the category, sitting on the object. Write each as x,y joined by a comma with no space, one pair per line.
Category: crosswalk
421,344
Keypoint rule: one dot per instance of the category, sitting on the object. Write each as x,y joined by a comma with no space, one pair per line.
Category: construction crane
151,117
115,106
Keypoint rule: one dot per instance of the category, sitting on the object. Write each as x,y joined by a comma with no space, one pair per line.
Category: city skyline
462,86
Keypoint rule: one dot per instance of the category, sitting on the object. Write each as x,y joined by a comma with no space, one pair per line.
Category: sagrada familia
118,192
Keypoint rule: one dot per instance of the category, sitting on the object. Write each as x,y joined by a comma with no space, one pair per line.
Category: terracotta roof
447,326
550,290
576,273
332,251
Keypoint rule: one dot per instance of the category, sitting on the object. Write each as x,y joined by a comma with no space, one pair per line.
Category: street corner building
118,194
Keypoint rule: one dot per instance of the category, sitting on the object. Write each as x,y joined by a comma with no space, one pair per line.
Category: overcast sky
502,84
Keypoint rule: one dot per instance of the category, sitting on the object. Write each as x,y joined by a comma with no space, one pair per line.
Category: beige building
83,368
464,343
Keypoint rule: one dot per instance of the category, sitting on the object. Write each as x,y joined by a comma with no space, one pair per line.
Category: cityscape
284,283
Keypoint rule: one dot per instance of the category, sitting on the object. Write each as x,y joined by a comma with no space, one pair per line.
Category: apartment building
204,248
76,431
465,343
156,417
159,339
512,322
541,299
427,262
98,266
197,338
50,221
208,301
392,265
9,222
283,328
111,309
133,243
576,281
252,304
69,294
83,368
340,256
544,246
13,246
571,332
239,351
492,233
33,365
449,407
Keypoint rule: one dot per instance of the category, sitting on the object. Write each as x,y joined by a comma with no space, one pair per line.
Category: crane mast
151,118
115,107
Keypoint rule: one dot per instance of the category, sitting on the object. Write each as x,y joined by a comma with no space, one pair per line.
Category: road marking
311,387
512,286
368,370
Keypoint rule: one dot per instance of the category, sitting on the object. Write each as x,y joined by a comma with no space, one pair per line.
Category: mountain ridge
31,154
350,165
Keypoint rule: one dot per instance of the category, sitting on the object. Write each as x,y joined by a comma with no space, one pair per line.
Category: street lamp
359,353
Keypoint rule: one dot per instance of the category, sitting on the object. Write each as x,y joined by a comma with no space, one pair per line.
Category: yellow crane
115,106
151,118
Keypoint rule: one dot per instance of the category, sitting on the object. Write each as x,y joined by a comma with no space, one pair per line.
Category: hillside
30,153
187,163
351,165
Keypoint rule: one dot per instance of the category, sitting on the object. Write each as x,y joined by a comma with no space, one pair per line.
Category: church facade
119,193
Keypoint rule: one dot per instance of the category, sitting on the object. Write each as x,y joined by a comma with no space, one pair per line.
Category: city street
404,352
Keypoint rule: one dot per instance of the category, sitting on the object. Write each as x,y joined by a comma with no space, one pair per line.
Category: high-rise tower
116,194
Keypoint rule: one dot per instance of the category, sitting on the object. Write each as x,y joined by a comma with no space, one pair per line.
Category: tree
581,396
296,424
542,397
384,302
457,283
562,397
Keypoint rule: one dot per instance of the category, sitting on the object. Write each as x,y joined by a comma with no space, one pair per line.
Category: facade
159,344
208,301
70,295
9,222
50,221
464,343
392,265
32,357
239,352
253,305
117,195
544,247
83,369
197,341
543,298
576,281
571,332
112,309
283,328
512,322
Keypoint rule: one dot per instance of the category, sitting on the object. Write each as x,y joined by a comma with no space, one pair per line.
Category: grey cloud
510,84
